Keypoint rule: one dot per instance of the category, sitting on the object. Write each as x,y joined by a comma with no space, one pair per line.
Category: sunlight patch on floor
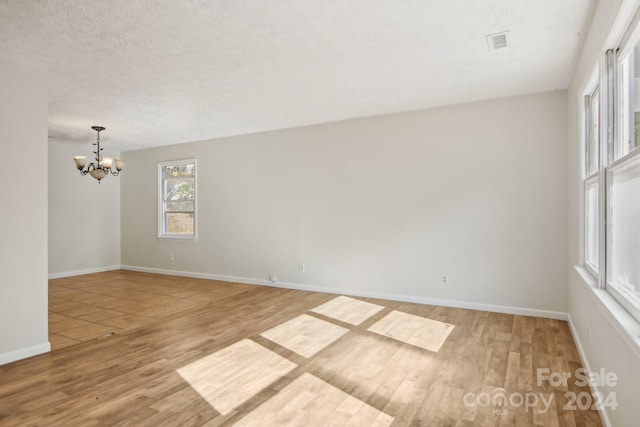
305,335
348,310
309,401
415,330
372,366
368,365
235,374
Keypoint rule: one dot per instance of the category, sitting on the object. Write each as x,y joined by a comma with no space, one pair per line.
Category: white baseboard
366,294
81,272
23,353
604,416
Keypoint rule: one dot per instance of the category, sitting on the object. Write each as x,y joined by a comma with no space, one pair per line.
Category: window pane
624,230
591,224
179,207
594,134
179,189
186,169
629,115
179,223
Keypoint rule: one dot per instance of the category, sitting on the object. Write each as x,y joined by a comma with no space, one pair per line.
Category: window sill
621,320
178,239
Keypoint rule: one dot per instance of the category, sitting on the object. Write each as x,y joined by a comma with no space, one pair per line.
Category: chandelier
103,165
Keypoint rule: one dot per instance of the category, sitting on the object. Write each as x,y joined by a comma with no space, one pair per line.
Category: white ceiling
157,72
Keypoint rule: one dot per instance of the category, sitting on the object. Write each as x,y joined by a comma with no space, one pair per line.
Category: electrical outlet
273,278
444,280
171,258
301,267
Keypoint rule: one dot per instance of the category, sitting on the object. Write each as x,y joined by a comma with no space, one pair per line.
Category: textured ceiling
157,72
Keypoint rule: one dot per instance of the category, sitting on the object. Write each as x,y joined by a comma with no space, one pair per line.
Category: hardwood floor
83,308
206,353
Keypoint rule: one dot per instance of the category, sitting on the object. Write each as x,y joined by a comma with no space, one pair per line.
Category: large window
611,176
624,232
177,199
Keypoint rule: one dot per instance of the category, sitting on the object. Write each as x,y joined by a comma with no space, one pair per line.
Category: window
592,155
629,105
624,233
591,247
622,200
611,177
591,188
177,199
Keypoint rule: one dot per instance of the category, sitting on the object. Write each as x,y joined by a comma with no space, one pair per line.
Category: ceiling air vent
497,40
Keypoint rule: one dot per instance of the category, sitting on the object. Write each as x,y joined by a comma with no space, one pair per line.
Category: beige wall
84,216
604,343
378,206
23,211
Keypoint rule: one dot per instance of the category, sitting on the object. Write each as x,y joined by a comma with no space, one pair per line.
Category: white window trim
176,237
